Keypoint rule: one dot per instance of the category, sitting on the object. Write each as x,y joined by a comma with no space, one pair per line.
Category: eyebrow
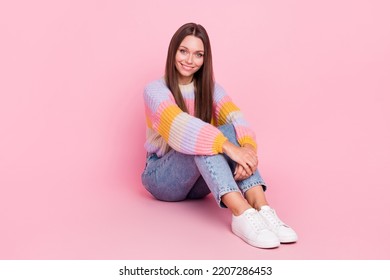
188,49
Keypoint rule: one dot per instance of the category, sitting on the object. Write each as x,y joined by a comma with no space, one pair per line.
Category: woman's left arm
226,112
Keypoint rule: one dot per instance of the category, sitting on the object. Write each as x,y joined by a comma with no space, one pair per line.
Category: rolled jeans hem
221,194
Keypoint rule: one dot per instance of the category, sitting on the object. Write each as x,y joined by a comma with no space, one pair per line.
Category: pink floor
342,215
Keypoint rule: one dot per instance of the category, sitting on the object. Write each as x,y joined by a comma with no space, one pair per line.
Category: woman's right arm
183,132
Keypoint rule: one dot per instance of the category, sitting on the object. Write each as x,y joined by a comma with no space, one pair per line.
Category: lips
185,67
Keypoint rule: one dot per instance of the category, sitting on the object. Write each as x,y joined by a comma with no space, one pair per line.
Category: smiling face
189,58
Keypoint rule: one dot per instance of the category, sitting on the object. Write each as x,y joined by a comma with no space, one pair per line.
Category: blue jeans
176,176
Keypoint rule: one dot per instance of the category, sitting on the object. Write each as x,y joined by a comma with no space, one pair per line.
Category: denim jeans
176,176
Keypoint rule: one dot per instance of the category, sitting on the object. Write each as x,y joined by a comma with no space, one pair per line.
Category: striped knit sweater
169,127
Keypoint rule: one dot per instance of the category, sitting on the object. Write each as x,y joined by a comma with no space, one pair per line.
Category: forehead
192,43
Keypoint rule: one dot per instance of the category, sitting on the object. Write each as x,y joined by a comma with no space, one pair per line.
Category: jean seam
219,192
254,184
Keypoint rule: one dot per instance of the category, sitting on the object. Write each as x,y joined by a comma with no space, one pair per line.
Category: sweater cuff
218,142
247,140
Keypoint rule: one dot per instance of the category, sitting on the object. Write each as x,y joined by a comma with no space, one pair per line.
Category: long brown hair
203,78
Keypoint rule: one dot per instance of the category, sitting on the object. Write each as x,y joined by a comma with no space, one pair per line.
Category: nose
189,59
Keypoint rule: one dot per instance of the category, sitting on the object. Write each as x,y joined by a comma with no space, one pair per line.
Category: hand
245,156
240,173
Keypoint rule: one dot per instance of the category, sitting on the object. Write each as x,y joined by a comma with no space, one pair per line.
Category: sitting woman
199,142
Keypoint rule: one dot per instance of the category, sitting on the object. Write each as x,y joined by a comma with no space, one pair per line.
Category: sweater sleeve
183,132
227,112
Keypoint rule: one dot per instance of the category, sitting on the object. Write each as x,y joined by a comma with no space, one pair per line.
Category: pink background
312,77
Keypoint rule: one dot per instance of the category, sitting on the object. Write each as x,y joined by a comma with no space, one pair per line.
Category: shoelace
256,221
272,217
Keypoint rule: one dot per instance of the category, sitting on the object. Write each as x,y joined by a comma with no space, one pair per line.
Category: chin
186,74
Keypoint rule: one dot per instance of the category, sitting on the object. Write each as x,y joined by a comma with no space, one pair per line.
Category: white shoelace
256,221
271,217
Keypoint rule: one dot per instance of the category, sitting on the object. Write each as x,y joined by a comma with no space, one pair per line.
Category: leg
236,203
172,177
218,176
246,222
256,197
217,171
199,190
270,230
256,179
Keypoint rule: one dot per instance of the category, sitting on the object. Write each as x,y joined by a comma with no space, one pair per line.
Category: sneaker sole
255,244
291,239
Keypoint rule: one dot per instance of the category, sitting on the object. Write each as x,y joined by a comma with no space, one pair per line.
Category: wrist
250,146
227,147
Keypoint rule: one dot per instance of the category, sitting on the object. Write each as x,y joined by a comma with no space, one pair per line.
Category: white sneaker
285,233
250,227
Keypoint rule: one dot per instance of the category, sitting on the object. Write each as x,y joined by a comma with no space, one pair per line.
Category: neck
185,80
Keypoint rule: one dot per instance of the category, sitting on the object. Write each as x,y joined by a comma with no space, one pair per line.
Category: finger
252,154
237,172
253,167
243,176
252,163
256,161
243,173
240,174
248,167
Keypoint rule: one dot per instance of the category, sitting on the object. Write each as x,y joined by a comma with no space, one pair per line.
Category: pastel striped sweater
169,127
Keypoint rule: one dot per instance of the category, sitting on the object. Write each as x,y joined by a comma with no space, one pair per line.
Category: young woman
199,142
